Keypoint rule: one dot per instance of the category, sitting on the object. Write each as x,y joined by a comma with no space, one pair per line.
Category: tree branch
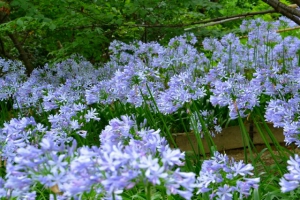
217,20
285,10
23,54
297,2
3,52
227,18
2,47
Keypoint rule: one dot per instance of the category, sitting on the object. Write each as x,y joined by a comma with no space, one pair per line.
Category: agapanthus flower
51,87
260,32
182,89
236,92
91,114
11,78
286,22
137,155
222,177
141,154
291,180
47,164
18,133
284,114
144,70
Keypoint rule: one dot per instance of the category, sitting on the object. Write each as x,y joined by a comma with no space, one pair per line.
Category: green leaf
256,194
52,26
19,22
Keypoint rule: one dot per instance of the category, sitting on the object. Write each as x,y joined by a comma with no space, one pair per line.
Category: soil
265,155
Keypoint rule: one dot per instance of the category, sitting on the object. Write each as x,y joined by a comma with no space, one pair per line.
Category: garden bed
238,154
229,139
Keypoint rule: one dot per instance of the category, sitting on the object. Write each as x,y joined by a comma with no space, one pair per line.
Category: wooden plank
229,138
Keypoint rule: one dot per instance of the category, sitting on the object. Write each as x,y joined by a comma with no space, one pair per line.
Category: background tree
40,31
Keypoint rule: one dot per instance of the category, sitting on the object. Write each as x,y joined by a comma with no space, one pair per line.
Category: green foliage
52,30
55,29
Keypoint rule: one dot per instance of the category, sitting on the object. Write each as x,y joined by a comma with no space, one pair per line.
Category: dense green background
41,31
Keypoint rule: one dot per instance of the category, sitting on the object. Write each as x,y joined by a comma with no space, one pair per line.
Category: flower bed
73,130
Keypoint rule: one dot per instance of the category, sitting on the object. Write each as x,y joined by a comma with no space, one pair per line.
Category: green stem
268,145
4,111
169,135
199,141
270,134
187,134
246,139
207,135
148,191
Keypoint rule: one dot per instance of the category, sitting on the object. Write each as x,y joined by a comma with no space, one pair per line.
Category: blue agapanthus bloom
291,180
222,178
128,157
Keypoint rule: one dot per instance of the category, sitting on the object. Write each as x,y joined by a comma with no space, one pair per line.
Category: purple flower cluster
236,92
19,133
229,52
261,34
291,180
142,156
12,75
286,22
47,164
58,88
182,89
266,65
127,158
168,74
173,75
221,178
285,114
